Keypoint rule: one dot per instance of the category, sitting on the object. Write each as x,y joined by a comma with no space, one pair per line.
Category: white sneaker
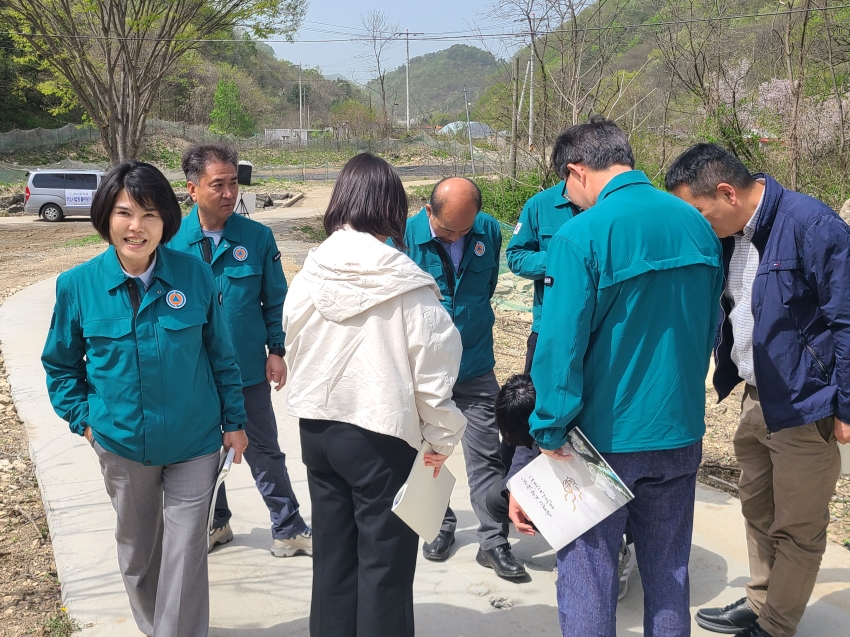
220,535
301,543
625,568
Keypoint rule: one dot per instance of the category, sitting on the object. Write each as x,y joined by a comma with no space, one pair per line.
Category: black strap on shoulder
206,250
448,267
135,297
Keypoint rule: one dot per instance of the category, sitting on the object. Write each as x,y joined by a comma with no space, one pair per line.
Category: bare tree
114,53
379,37
792,33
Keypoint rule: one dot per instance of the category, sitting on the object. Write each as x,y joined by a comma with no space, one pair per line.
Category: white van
57,193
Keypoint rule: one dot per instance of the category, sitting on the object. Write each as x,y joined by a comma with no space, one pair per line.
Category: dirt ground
29,588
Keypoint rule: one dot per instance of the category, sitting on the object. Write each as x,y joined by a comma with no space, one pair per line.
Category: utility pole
514,117
469,130
407,35
407,76
531,90
300,105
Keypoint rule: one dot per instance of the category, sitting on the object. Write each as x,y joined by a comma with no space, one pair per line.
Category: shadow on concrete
437,620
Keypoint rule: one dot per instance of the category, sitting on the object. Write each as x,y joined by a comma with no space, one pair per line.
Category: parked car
57,193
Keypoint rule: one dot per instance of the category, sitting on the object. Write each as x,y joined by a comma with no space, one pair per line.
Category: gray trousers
476,399
161,533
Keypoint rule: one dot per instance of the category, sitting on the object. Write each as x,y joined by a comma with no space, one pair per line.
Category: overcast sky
341,19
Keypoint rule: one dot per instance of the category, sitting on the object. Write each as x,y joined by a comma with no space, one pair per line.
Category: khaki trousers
787,480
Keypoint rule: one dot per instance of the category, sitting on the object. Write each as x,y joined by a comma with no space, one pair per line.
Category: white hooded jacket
368,343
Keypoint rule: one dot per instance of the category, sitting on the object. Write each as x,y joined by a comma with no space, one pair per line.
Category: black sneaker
729,620
439,549
501,560
753,631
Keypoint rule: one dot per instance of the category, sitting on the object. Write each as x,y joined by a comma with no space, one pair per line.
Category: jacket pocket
108,328
182,320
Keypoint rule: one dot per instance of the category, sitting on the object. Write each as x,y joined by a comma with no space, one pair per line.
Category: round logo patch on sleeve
240,253
479,249
175,299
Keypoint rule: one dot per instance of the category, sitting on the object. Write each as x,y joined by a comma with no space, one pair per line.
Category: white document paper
844,452
222,474
565,498
422,501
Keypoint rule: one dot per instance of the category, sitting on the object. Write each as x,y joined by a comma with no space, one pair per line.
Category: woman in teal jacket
139,361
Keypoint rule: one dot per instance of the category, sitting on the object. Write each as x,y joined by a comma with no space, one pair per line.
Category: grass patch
60,625
314,231
79,242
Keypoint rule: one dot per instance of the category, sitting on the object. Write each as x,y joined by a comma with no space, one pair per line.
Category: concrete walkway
256,595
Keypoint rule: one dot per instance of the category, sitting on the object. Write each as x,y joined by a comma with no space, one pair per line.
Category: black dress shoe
438,550
730,620
501,560
753,631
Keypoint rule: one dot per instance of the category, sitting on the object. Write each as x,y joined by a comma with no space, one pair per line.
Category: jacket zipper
815,356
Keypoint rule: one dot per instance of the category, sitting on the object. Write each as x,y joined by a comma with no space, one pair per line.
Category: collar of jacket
196,233
565,200
773,192
113,275
422,227
623,180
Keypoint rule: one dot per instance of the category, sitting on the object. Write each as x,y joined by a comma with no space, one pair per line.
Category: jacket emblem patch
240,253
175,299
479,249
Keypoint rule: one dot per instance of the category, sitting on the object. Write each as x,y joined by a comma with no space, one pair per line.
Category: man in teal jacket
541,217
628,326
251,289
459,246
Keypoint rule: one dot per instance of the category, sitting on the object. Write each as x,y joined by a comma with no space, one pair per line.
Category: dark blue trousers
661,518
268,466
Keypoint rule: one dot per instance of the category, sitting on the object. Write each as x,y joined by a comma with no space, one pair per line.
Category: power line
436,37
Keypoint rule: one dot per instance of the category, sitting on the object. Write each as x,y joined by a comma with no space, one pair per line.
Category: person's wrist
277,351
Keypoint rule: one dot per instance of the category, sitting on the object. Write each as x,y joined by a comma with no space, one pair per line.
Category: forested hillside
436,83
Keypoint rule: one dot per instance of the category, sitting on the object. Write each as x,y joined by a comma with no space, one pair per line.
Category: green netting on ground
512,292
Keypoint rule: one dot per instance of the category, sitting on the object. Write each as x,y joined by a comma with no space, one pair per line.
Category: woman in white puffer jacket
372,359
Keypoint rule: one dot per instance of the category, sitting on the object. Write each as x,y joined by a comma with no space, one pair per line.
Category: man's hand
87,433
519,518
276,371
557,454
842,431
238,440
435,460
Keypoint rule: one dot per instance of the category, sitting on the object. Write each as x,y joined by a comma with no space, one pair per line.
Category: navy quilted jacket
801,311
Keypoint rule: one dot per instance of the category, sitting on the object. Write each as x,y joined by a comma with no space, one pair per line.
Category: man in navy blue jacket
784,330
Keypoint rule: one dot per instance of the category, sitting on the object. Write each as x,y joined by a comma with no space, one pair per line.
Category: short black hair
196,159
514,405
437,201
145,185
368,195
702,167
598,144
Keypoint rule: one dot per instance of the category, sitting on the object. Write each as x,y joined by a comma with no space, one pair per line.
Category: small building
287,134
477,129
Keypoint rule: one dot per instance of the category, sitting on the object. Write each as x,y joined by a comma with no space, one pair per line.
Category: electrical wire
425,37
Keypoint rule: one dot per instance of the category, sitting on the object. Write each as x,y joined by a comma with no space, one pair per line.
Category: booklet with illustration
422,501
565,498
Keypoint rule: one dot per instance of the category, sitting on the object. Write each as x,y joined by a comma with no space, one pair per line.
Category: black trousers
364,557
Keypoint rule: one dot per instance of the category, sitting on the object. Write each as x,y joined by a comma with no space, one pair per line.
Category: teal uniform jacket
466,296
251,286
157,388
628,323
541,217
